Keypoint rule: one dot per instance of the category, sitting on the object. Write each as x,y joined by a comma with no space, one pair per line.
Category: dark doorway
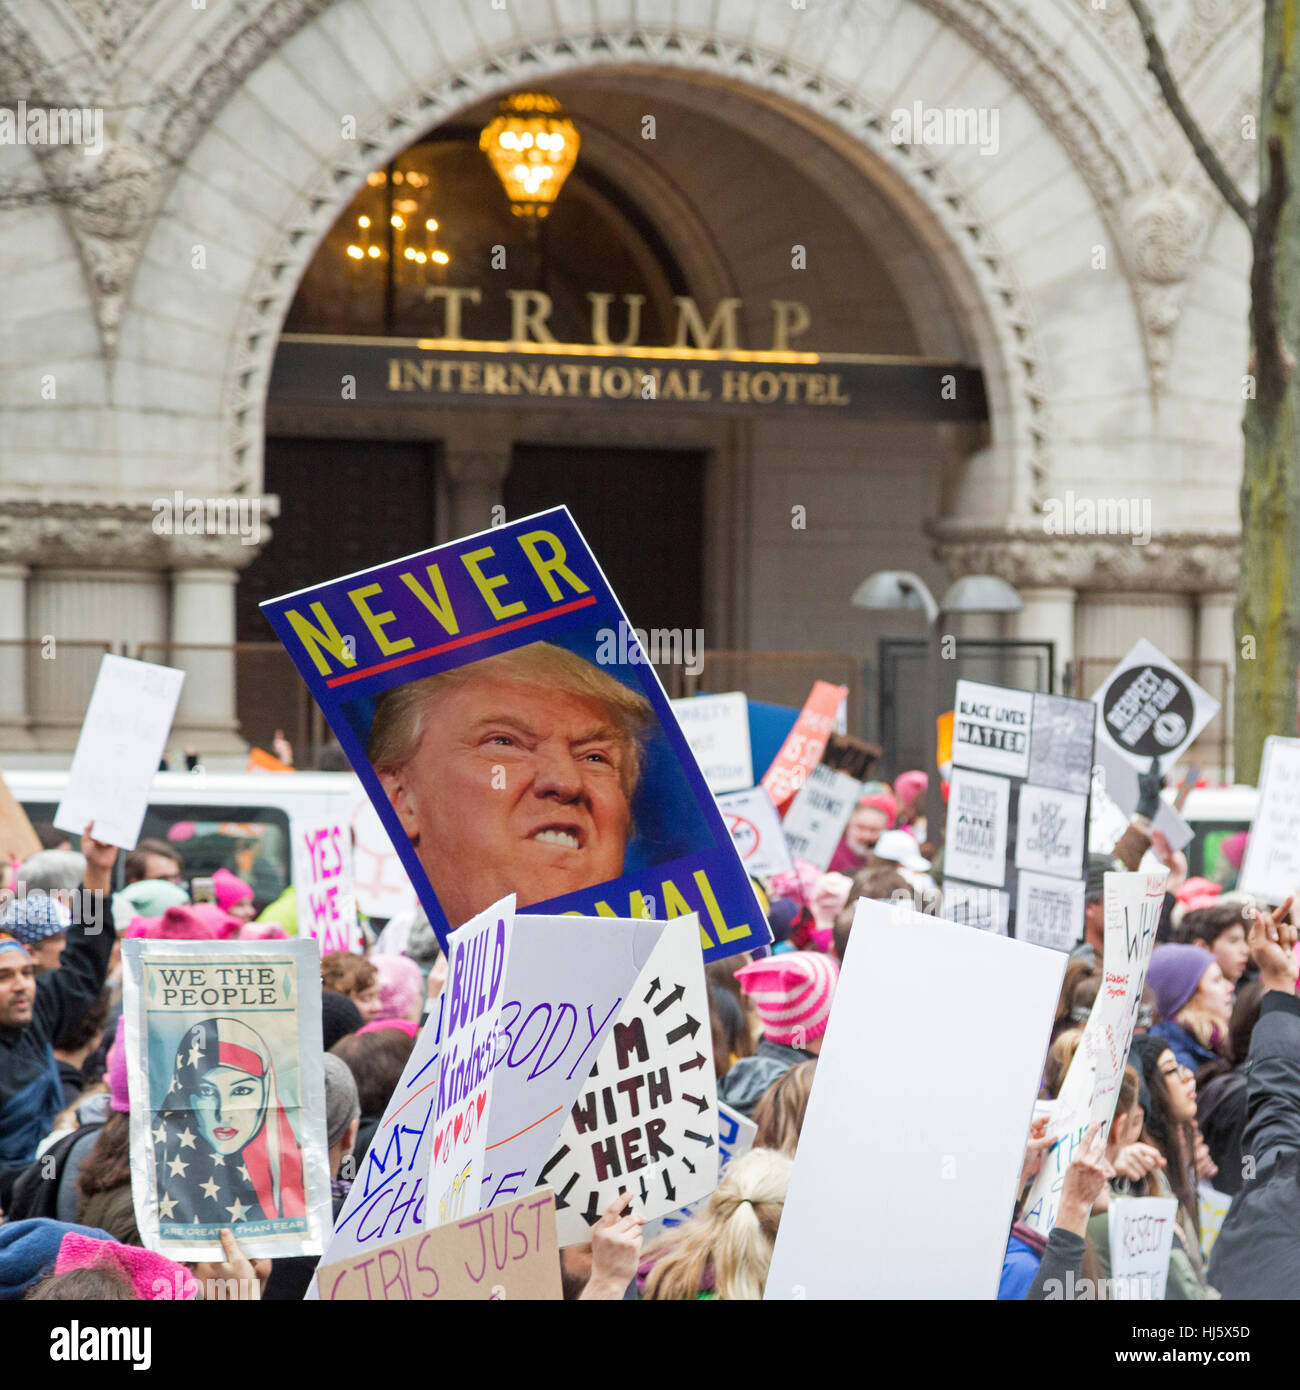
345,505
642,513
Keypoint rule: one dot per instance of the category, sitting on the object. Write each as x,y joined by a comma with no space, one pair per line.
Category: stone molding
1029,558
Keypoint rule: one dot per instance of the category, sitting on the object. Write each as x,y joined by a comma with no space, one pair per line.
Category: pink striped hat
792,993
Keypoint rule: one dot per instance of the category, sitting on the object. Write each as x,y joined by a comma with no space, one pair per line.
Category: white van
1214,813
247,822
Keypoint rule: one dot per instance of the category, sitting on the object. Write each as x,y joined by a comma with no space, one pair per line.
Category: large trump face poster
514,738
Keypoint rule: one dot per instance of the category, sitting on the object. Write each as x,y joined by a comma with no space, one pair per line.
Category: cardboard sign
554,768
17,838
962,1114
1149,708
976,844
1060,743
322,874
119,748
1091,1086
756,830
974,905
508,1253
803,748
991,728
1117,778
646,1121
556,1019
717,730
470,1030
1141,1231
1049,910
1051,832
386,1199
1212,1206
736,1136
1271,868
227,1089
818,815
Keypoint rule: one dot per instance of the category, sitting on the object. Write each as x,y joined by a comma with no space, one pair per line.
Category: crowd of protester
1210,1094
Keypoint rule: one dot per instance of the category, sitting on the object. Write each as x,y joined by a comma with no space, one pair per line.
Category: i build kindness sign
514,737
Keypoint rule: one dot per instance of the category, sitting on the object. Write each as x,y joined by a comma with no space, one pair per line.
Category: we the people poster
227,1090
514,738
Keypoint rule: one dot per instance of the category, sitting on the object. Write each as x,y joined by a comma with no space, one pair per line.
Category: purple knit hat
1174,974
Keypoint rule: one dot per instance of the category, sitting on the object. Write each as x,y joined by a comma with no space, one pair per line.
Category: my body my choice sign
473,689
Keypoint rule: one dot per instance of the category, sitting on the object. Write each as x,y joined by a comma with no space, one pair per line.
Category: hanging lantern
532,144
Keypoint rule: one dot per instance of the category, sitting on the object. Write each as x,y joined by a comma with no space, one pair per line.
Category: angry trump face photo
513,774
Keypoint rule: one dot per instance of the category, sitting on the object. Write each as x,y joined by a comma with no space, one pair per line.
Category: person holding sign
33,1012
1257,1254
512,775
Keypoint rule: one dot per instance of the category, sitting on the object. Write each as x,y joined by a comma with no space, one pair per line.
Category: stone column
1216,641
75,612
1048,616
14,731
473,473
202,636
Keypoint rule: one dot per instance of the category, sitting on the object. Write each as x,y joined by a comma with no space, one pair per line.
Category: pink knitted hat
152,1276
229,889
401,986
115,1072
792,993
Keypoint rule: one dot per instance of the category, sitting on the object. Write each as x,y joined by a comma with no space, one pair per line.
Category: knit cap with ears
792,994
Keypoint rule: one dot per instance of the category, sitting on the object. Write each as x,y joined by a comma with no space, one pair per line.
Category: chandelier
412,231
532,145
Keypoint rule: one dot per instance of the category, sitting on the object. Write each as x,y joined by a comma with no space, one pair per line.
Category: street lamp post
896,590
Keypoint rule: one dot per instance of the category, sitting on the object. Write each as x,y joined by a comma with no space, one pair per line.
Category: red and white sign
327,905
805,743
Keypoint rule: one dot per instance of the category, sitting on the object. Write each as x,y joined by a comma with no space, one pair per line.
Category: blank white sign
924,1095
121,743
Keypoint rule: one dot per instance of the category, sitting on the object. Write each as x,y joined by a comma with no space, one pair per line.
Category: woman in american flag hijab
224,1150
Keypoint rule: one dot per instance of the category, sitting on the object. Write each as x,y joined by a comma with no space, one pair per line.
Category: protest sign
736,1137
973,905
1141,1231
815,822
554,768
379,880
646,1121
1060,743
470,1029
17,838
991,728
386,1199
1032,798
1271,869
717,730
1149,708
1211,1206
227,1091
976,844
1051,831
1088,1094
322,874
508,1253
1115,781
961,1113
119,748
1049,910
555,1021
803,747
756,830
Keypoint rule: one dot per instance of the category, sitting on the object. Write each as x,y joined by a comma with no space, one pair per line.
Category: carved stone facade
1107,376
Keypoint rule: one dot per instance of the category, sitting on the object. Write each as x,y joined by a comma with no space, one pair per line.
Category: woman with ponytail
724,1250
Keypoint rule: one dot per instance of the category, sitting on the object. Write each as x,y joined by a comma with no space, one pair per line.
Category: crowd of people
1209,1098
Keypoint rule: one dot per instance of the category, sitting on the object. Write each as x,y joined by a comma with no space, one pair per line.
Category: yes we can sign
322,873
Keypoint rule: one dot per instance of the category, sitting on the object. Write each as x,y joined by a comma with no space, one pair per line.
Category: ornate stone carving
108,22
1166,230
47,535
1184,562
